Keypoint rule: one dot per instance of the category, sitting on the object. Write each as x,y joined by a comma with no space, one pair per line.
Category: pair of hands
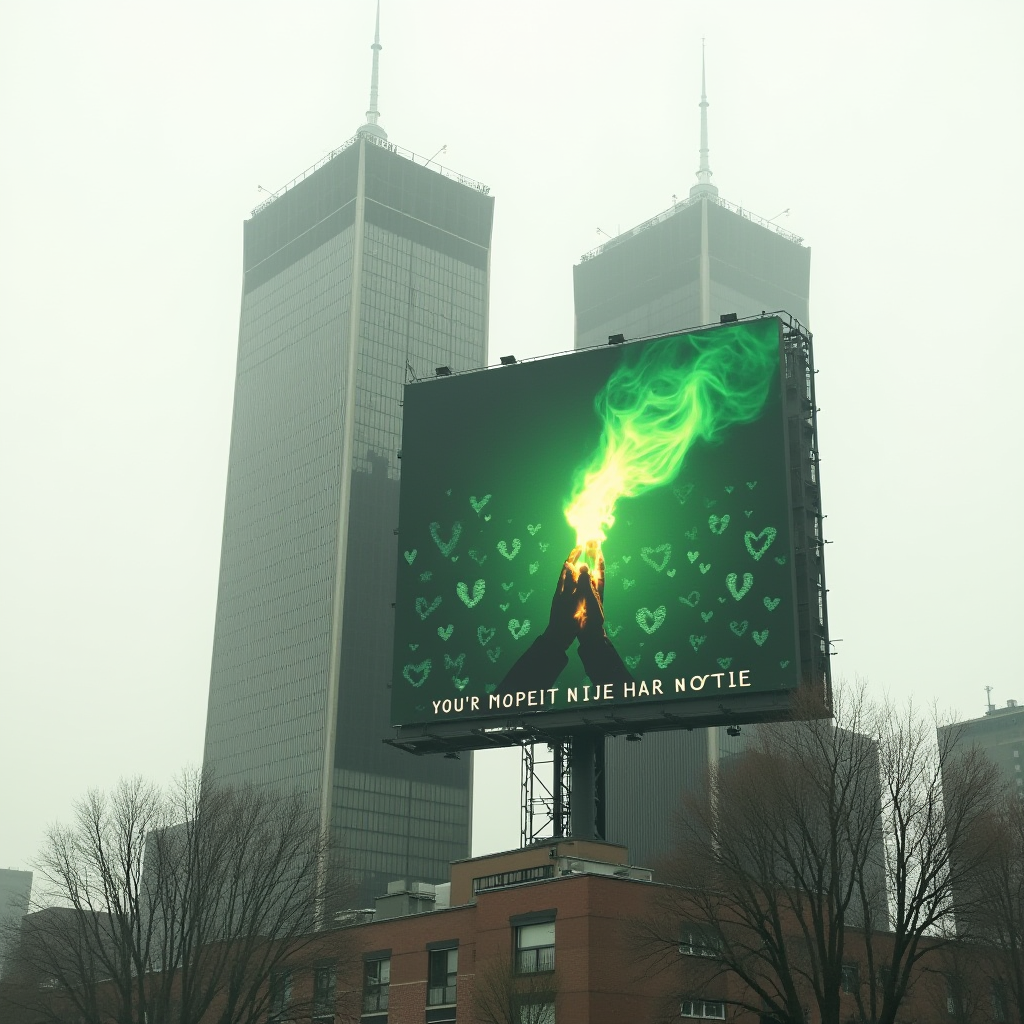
577,607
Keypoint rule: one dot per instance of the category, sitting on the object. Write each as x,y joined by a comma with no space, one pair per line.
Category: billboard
604,536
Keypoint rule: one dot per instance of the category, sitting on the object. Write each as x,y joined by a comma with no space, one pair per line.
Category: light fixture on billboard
442,371
508,360
616,339
733,730
728,318
633,737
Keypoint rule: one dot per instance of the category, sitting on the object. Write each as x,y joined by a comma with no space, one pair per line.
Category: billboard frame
813,650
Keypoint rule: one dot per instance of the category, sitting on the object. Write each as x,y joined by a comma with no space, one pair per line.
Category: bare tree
501,995
827,844
171,907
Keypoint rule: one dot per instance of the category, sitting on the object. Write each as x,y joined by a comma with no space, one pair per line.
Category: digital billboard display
597,532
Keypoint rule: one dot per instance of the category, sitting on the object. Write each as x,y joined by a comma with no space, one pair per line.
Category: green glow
655,406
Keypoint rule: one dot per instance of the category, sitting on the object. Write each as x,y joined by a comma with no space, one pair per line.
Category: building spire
703,186
372,127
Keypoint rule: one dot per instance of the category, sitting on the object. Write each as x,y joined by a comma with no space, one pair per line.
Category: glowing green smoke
657,404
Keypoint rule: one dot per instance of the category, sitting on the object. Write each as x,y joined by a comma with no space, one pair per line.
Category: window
954,1002
325,981
697,941
535,947
280,995
851,978
443,970
702,1009
376,982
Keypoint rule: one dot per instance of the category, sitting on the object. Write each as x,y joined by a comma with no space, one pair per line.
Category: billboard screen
598,532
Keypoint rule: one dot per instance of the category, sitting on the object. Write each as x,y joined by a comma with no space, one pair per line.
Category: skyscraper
367,270
686,266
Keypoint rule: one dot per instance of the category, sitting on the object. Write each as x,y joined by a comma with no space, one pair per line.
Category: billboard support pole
587,765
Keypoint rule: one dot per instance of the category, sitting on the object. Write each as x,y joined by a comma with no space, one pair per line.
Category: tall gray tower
368,269
685,267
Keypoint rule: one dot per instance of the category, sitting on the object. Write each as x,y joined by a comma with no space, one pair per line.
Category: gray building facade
685,267
1000,734
369,270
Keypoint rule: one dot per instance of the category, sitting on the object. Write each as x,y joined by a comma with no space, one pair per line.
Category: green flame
658,403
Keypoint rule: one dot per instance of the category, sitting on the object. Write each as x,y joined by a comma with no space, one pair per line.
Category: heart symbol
494,654
534,566
783,664
647,554
724,662
751,484
503,548
750,538
446,547
748,512
612,570
543,547
455,558
692,556
504,607
524,596
759,638
484,635
628,584
780,560
721,600
416,675
414,647
533,528
425,577
518,630
771,603
449,492
705,567
627,559
478,503
696,641
479,587
458,662
490,687
410,556
507,586
445,632
649,621
717,524
487,518
664,660
691,598
739,628
706,616
671,573
682,492
613,633
710,502
729,488
691,534
460,684
425,609
632,661
477,557
748,582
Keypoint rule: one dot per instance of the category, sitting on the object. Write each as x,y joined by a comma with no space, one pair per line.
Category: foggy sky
134,139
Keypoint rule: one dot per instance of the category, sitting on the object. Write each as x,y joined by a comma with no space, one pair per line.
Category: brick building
548,934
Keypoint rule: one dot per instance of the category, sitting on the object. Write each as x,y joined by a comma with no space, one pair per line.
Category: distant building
699,259
370,269
15,893
1000,734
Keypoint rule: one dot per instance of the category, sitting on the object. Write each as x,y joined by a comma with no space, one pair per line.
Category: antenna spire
703,186
372,127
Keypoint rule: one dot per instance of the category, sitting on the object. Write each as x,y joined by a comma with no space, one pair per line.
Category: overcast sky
133,138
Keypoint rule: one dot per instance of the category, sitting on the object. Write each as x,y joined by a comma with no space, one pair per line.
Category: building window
702,1009
537,1013
851,978
280,996
376,983
443,971
535,947
325,980
697,941
954,1002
